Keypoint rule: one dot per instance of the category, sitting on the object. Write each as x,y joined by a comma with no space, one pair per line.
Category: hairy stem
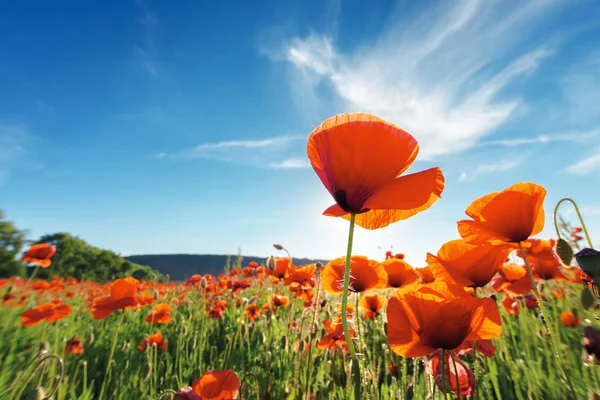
355,366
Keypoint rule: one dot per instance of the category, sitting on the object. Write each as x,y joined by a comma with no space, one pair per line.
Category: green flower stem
583,227
553,342
355,366
112,353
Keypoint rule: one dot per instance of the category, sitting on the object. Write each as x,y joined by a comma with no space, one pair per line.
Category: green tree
12,241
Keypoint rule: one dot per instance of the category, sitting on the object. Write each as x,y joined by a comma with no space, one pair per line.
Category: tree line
74,258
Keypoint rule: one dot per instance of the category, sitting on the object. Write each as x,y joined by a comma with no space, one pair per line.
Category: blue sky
180,127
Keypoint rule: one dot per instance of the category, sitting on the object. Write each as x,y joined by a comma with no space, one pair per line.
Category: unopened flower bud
271,264
278,246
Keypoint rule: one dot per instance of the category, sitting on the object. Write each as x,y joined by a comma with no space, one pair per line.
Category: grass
277,352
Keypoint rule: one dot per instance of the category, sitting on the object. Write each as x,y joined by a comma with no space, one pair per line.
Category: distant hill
181,266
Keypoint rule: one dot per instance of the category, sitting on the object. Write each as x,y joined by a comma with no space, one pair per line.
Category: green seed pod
564,251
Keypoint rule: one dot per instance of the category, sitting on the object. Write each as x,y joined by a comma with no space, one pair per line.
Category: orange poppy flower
453,366
463,264
365,275
425,274
74,346
50,312
252,312
122,295
544,262
304,276
335,337
484,347
399,273
282,267
506,217
359,159
280,300
160,314
156,339
569,319
415,314
40,254
513,279
217,385
372,305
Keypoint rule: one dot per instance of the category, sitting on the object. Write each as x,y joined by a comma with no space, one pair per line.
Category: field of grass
220,324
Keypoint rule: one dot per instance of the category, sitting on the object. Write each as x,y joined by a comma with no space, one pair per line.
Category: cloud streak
14,140
276,152
440,75
587,165
486,169
570,137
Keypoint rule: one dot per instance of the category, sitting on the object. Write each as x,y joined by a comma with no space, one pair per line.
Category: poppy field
497,313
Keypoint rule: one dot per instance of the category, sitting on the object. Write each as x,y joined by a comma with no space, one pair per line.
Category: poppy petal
342,150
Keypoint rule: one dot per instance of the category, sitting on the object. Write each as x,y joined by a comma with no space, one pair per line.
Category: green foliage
522,368
78,259
12,241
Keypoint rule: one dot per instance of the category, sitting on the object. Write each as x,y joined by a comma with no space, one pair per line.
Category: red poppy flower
360,158
415,314
372,305
74,346
365,275
569,319
453,367
464,264
40,254
156,339
506,217
399,273
217,385
50,312
161,314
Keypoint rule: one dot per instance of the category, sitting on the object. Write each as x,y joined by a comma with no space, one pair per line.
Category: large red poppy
360,159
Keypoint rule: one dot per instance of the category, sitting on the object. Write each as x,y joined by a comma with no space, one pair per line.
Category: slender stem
355,366
553,342
585,231
112,352
35,271
442,376
456,375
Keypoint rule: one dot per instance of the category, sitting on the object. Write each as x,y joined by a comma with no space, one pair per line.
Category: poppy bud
36,394
271,264
319,265
278,246
323,303
203,283
591,344
589,262
43,349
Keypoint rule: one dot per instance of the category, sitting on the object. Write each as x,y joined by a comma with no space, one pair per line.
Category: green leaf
564,251
587,298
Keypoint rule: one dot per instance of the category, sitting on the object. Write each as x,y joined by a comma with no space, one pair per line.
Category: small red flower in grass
466,379
50,312
372,305
334,337
161,314
156,339
74,346
217,385
569,319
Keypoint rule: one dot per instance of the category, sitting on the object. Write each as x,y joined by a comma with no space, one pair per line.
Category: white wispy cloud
147,50
291,163
274,152
14,140
568,137
485,169
439,74
587,165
